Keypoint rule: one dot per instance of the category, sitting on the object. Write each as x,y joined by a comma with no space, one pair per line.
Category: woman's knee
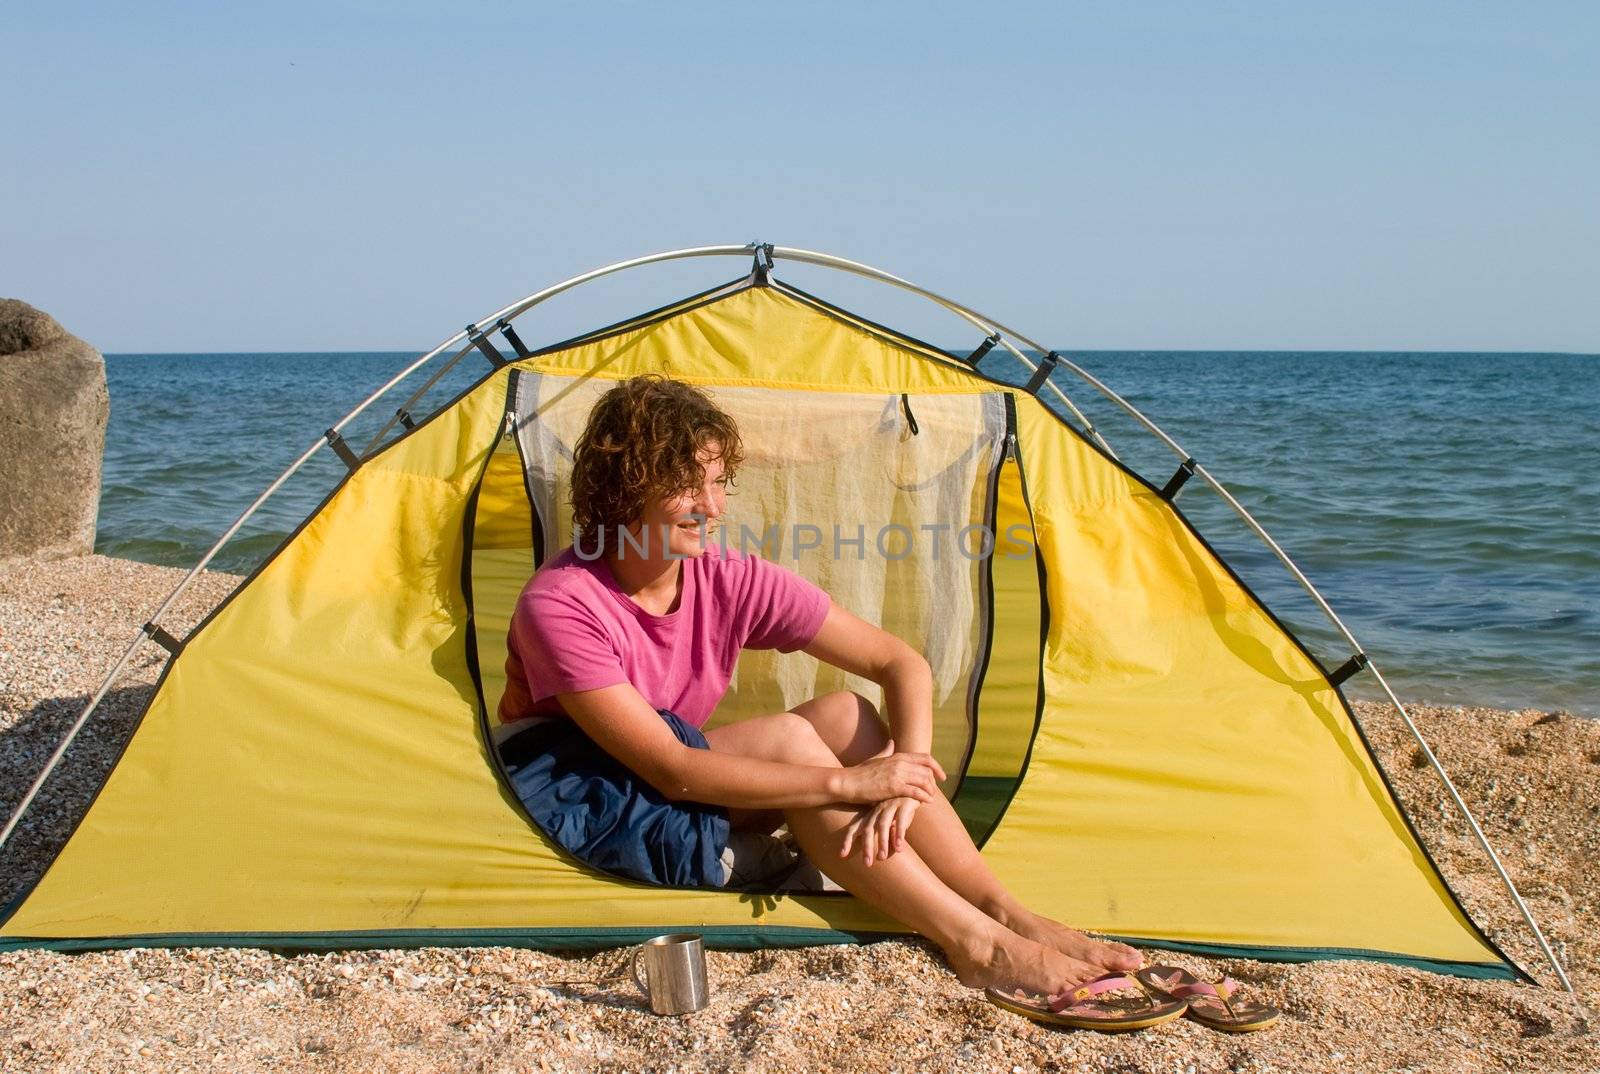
799,742
848,724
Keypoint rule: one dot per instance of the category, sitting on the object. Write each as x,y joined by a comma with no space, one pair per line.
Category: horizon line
1064,352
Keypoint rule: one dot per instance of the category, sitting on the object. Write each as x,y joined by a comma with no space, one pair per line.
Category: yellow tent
1141,748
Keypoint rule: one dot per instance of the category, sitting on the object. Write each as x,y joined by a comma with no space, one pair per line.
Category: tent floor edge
717,937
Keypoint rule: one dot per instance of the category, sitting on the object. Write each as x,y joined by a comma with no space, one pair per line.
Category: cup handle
642,982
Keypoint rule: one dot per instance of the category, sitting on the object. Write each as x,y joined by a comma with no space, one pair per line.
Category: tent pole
864,270
988,325
1483,840
1087,424
183,584
1327,609
105,686
524,306
72,733
411,400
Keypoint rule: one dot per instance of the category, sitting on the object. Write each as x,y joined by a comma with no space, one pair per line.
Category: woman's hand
892,775
880,830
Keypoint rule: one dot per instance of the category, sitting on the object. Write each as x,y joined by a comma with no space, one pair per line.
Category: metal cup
674,972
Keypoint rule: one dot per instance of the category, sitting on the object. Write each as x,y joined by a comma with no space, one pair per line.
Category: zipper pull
1011,446
911,419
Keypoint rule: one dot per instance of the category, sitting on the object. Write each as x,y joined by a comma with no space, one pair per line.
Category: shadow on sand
27,745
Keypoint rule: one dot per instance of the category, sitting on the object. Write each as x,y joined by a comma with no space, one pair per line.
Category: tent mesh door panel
839,488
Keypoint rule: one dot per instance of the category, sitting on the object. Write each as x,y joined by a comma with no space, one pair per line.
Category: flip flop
1088,1006
1214,1006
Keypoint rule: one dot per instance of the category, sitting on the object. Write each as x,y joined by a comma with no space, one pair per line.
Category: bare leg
849,725
982,951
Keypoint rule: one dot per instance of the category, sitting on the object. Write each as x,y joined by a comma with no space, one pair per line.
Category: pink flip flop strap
1222,989
1109,983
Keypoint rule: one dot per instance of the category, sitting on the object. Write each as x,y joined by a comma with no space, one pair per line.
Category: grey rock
53,412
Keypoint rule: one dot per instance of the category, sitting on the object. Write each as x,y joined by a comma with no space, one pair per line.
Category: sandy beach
1533,777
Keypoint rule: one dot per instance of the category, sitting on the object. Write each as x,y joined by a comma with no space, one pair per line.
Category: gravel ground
1533,777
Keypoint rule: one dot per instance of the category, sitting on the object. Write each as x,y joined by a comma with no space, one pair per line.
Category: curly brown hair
642,441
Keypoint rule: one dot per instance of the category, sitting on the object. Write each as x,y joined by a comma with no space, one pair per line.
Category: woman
624,643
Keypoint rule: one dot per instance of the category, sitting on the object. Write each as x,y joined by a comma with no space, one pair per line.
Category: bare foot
1008,962
1074,944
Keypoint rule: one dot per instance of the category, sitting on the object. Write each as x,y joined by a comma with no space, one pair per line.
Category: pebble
407,979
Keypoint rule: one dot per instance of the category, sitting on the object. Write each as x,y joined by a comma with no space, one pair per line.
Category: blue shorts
594,807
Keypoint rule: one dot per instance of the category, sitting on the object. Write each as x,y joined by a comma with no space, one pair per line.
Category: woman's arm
624,724
855,645
851,643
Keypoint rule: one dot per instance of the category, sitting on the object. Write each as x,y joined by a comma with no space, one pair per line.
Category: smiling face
688,518
655,458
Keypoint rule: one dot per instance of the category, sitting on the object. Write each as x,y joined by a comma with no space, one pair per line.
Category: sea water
1444,504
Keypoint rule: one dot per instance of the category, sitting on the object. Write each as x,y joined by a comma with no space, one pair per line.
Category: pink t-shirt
575,629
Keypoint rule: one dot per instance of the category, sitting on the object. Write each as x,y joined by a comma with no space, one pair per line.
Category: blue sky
1223,175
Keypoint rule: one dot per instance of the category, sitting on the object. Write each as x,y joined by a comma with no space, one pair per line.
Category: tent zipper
991,520
911,419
